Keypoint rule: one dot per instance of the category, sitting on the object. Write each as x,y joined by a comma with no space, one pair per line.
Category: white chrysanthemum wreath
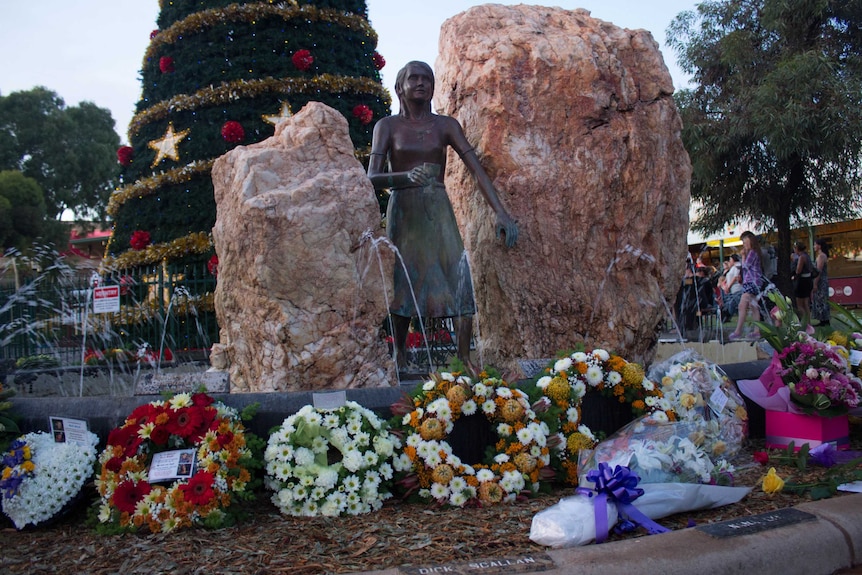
520,454
39,477
330,462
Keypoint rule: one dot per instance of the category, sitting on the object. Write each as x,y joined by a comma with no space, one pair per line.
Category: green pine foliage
215,73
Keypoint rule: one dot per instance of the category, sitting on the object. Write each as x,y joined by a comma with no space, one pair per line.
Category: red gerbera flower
232,132
186,422
302,59
364,113
160,435
379,62
114,464
126,437
127,494
166,64
199,490
124,155
143,414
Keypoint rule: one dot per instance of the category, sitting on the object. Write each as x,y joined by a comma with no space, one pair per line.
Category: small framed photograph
172,465
67,430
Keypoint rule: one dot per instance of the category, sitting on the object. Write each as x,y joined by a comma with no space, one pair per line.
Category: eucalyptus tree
772,120
69,151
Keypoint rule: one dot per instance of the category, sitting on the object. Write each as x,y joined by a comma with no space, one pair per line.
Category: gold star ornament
166,146
274,119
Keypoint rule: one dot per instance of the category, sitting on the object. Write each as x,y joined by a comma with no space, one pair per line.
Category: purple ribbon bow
620,486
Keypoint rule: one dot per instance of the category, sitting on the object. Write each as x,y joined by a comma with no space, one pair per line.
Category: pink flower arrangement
303,60
819,378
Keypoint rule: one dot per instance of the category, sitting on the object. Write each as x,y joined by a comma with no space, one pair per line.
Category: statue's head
403,74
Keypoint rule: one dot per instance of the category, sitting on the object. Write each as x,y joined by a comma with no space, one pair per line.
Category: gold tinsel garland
238,89
146,186
194,243
148,310
248,13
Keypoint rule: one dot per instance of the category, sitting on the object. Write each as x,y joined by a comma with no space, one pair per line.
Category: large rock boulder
574,121
300,307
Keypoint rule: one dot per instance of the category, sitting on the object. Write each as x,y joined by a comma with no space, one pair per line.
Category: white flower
648,385
563,364
489,406
468,407
180,400
579,357
429,385
480,389
439,491
572,415
659,416
504,392
484,475
602,354
504,429
584,430
446,376
594,375
501,458
614,377
525,435
544,381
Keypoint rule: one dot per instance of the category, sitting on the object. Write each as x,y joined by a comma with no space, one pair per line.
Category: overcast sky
91,50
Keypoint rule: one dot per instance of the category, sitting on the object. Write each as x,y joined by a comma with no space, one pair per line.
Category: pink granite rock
298,305
574,121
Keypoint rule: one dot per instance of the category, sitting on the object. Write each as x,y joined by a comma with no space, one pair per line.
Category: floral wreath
330,462
40,477
518,459
573,375
221,472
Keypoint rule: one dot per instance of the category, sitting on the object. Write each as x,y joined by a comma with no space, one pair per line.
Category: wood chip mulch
399,535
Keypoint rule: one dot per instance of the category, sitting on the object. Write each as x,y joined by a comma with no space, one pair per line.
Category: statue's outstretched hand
508,227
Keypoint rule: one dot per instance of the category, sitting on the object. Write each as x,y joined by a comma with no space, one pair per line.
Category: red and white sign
106,299
846,291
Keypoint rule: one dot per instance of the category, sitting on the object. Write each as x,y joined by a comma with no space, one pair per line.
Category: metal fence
161,307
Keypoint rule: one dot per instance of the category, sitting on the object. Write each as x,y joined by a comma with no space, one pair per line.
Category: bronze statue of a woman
408,156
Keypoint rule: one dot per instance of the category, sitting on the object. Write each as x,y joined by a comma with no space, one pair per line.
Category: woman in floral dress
820,294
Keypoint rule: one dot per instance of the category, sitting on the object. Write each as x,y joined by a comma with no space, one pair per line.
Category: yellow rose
687,400
772,483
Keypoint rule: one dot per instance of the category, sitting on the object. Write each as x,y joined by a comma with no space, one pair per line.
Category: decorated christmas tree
218,74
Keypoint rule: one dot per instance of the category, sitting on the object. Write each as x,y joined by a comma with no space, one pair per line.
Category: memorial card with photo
172,465
67,430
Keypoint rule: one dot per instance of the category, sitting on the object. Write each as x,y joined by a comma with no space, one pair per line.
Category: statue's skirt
421,223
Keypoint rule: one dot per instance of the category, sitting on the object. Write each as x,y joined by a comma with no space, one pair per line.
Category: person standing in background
820,292
752,278
804,284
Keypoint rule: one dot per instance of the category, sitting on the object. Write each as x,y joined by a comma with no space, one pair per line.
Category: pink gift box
783,427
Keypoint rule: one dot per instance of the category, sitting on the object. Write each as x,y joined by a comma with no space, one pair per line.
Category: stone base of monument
208,381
